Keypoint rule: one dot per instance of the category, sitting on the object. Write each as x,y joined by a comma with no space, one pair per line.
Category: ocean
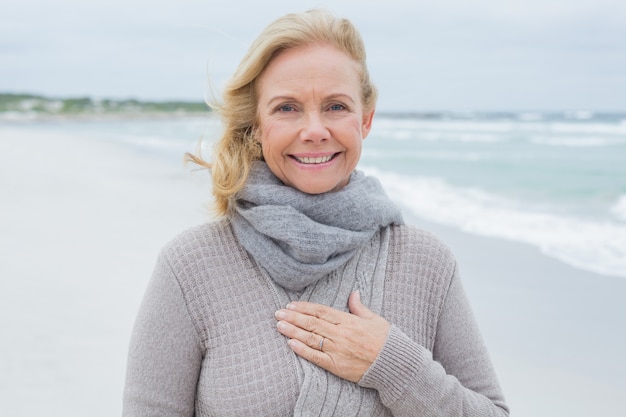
556,181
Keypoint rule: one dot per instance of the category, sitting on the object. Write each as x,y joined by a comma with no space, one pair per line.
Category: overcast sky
423,55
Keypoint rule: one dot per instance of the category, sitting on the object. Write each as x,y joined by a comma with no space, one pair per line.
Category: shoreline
25,118
84,219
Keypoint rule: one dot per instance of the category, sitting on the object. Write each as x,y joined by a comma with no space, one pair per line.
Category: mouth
314,160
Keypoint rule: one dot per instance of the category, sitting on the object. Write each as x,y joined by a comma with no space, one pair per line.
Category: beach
82,223
83,219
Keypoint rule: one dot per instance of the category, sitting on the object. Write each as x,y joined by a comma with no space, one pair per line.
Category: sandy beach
82,221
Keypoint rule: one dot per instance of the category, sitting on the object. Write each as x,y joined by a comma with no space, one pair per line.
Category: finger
304,322
319,311
312,340
313,355
358,308
327,360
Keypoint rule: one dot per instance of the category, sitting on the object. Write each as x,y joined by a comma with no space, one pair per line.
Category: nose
314,129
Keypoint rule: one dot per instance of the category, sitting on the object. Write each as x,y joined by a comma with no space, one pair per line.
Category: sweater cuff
396,366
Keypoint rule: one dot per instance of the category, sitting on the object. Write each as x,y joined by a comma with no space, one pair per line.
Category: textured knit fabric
322,393
205,341
299,238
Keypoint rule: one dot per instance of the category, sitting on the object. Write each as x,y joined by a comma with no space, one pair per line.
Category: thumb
357,308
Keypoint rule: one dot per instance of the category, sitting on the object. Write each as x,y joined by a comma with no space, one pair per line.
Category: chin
319,188
313,190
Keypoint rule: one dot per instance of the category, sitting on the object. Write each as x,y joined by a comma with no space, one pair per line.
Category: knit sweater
205,341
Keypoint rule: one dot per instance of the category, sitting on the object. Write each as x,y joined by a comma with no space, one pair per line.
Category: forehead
306,66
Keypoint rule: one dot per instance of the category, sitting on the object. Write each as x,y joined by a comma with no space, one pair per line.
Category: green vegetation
39,105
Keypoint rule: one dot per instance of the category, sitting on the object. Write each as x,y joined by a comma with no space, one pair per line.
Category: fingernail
280,314
291,306
281,325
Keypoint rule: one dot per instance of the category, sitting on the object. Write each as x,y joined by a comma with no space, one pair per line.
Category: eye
285,108
337,107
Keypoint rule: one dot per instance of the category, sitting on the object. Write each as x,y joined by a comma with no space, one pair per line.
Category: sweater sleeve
456,379
165,356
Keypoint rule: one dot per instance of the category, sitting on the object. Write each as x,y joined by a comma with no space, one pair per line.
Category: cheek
266,150
355,132
271,139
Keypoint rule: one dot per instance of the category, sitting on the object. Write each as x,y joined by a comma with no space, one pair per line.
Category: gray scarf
299,238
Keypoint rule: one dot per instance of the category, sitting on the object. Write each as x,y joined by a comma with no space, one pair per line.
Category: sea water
555,181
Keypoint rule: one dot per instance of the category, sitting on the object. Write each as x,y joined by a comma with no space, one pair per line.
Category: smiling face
311,119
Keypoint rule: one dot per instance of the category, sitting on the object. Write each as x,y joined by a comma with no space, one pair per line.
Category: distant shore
17,118
17,107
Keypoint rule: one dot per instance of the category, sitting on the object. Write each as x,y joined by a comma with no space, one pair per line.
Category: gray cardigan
205,341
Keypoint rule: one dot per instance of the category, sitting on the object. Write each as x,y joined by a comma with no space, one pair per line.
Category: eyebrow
327,98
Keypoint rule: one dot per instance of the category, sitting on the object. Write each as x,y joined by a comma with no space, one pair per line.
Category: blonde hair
238,148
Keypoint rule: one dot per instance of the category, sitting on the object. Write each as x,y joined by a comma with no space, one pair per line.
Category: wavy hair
237,147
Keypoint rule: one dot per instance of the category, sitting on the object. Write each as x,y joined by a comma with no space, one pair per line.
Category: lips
314,160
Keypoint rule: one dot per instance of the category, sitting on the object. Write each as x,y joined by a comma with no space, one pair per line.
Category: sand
82,221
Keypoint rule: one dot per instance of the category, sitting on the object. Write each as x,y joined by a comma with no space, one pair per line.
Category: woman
309,296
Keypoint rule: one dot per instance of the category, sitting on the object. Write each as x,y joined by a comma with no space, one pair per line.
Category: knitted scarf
299,238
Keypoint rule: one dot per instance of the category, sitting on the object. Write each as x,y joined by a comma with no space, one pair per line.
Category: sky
448,55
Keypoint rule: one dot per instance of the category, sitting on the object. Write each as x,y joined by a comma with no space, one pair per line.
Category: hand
345,344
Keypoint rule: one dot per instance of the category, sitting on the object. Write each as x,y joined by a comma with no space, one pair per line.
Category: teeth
317,160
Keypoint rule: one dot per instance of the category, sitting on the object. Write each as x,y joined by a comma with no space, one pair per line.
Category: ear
367,123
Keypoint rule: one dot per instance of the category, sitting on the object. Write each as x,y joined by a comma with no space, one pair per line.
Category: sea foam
578,141
592,245
619,208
